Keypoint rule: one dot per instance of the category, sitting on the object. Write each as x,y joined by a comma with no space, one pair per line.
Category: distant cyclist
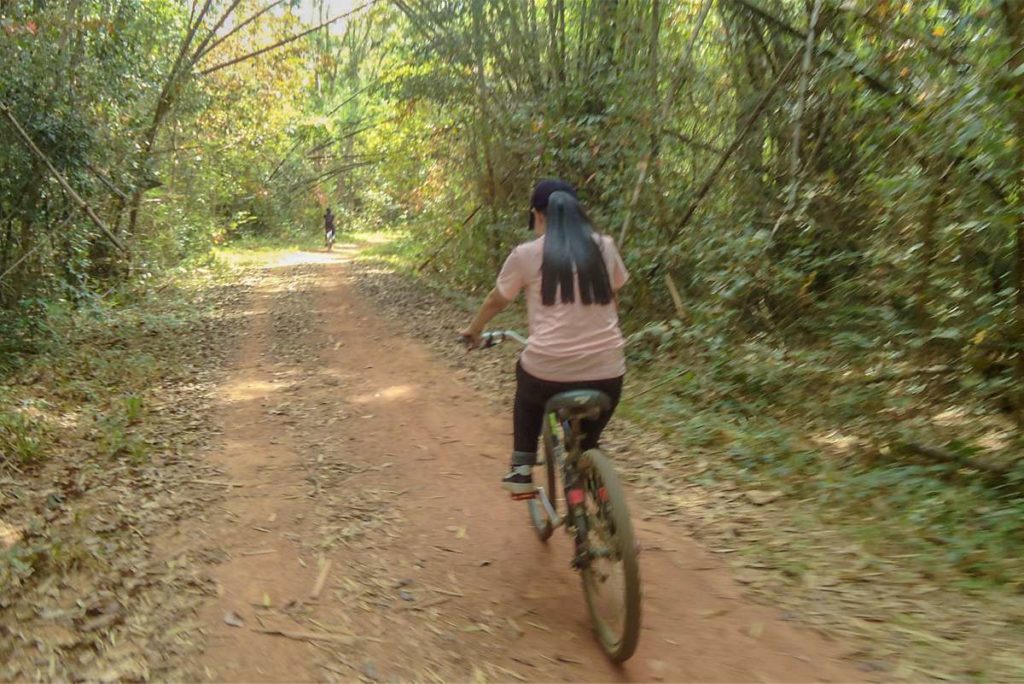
571,275
329,229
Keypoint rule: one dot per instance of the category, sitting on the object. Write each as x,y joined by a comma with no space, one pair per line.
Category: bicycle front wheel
611,576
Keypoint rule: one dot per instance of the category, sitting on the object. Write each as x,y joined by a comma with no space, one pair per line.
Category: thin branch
878,85
107,182
26,255
333,172
691,141
451,236
323,145
801,100
351,134
18,263
894,30
213,31
452,232
26,140
991,469
213,46
285,41
418,23
350,98
1014,55
164,100
283,160
873,81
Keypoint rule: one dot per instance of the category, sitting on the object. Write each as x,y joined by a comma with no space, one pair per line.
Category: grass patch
257,251
398,249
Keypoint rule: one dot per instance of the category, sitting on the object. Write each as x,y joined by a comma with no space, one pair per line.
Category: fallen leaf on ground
9,535
759,497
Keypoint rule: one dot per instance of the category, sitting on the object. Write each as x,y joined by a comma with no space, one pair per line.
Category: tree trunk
483,126
928,241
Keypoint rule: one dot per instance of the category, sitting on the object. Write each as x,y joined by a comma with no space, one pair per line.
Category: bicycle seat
579,403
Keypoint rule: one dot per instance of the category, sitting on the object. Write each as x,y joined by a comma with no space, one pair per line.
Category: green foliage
961,525
891,225
171,161
21,440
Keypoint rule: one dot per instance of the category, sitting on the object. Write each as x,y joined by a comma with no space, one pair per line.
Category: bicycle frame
566,457
560,455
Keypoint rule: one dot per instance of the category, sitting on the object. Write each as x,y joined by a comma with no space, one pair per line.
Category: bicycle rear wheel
611,577
542,521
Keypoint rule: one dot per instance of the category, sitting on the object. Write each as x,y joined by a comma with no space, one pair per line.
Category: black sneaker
519,480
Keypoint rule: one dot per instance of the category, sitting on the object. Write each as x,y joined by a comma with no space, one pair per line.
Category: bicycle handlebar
496,337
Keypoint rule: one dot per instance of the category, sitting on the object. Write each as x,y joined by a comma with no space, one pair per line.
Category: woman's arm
492,306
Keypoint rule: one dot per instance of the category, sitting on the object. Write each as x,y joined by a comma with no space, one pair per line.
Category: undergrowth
79,399
834,450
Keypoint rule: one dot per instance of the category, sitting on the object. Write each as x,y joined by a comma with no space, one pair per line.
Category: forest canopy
815,197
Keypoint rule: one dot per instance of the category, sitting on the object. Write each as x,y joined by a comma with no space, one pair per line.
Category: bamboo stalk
26,139
681,73
709,181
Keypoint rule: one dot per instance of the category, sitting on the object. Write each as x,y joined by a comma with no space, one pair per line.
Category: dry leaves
90,601
232,619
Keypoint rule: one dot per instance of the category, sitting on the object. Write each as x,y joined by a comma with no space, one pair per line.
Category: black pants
532,395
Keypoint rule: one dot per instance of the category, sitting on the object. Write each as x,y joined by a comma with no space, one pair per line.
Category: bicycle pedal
524,497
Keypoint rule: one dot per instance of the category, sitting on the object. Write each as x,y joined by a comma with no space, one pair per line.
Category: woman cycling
571,275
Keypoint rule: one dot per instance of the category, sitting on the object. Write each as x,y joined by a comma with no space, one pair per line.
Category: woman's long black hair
572,255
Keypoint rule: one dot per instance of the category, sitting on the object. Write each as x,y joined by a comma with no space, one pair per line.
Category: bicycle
596,514
329,240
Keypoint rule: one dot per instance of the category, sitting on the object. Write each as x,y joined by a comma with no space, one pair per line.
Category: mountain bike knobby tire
597,472
538,514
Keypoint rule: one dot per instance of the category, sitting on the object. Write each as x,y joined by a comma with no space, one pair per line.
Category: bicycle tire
542,523
619,647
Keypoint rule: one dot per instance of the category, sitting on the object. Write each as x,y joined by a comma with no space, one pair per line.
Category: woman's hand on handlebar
491,307
473,339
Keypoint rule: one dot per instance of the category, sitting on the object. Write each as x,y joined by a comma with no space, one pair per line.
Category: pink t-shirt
568,342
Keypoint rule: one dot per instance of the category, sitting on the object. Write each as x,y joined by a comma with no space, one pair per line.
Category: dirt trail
347,444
